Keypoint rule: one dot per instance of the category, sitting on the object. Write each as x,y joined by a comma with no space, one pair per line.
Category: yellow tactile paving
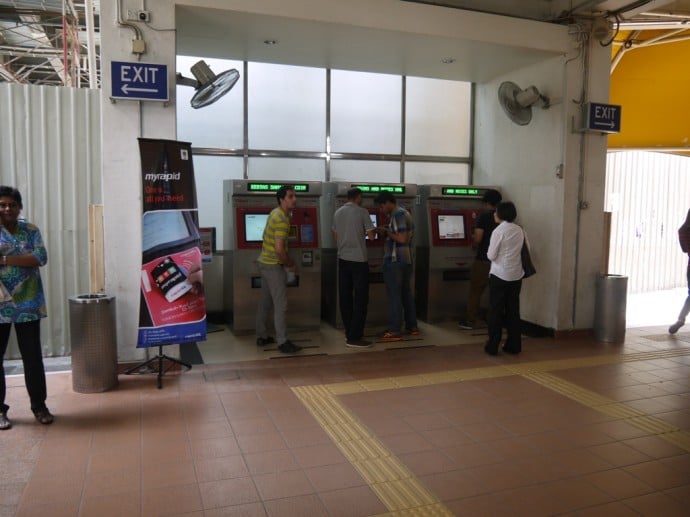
392,481
389,478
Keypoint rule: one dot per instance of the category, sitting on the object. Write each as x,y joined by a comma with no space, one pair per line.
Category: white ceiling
236,35
205,32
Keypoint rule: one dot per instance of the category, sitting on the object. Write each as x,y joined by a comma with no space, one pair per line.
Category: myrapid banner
172,309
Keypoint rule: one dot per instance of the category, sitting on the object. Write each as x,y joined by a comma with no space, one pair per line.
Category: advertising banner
172,308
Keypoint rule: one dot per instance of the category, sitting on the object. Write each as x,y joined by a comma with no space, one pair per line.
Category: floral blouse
23,283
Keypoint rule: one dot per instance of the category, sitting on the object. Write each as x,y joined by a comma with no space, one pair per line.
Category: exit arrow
126,89
609,124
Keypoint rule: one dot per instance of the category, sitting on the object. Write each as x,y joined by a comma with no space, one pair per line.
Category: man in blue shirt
397,267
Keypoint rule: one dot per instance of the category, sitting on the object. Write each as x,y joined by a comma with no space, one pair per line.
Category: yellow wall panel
652,85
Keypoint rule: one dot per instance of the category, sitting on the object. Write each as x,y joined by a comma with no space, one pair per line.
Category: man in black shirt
479,272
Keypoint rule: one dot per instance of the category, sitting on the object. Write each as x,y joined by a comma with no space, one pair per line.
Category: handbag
527,265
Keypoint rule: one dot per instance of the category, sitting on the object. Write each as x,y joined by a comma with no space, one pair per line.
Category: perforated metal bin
94,342
610,307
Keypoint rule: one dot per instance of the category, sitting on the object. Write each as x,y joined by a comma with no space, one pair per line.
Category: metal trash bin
94,342
610,307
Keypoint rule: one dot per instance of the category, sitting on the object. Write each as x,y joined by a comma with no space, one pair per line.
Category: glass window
365,171
423,173
287,107
290,169
437,117
220,125
365,112
209,174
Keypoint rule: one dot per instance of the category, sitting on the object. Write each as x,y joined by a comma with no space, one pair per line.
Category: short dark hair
384,197
12,192
493,197
354,193
506,211
282,192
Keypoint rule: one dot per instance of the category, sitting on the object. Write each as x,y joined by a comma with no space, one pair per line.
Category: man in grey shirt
351,223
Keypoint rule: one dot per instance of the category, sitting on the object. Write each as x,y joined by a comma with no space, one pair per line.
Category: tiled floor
430,426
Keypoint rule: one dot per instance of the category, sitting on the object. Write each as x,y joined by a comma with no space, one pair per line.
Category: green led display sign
375,189
460,191
273,187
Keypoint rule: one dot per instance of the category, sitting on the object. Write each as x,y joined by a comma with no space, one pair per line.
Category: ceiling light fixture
270,42
448,60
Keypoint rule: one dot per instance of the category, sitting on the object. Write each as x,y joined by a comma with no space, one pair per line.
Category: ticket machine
444,249
335,196
247,205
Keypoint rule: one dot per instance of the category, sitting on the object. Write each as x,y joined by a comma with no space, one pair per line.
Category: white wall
524,160
123,123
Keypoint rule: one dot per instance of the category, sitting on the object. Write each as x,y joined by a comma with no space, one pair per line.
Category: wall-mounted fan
517,103
209,86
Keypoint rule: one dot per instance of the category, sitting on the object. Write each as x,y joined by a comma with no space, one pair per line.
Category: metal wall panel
50,141
647,195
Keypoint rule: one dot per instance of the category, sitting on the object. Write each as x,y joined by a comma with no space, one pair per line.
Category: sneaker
466,325
389,336
358,343
413,332
289,347
261,341
5,422
44,416
675,327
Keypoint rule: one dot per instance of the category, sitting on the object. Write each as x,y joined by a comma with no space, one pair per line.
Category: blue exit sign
603,118
139,81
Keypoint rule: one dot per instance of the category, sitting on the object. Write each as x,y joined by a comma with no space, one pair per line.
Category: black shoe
44,416
358,343
261,341
510,350
490,351
289,347
5,422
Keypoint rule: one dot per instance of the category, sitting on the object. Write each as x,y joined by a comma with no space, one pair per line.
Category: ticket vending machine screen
451,226
374,221
254,225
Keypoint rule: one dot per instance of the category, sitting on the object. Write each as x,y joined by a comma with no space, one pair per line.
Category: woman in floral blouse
22,302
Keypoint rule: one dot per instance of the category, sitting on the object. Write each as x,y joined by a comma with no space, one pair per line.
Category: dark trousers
353,291
398,279
29,341
504,301
479,279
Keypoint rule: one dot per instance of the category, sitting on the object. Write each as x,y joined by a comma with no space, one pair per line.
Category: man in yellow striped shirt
274,264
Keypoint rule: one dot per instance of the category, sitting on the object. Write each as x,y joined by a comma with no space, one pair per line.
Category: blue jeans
353,291
398,278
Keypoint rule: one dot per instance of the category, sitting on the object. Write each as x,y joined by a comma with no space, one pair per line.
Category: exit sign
602,118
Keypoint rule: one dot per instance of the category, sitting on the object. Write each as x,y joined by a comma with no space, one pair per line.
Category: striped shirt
277,227
400,222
